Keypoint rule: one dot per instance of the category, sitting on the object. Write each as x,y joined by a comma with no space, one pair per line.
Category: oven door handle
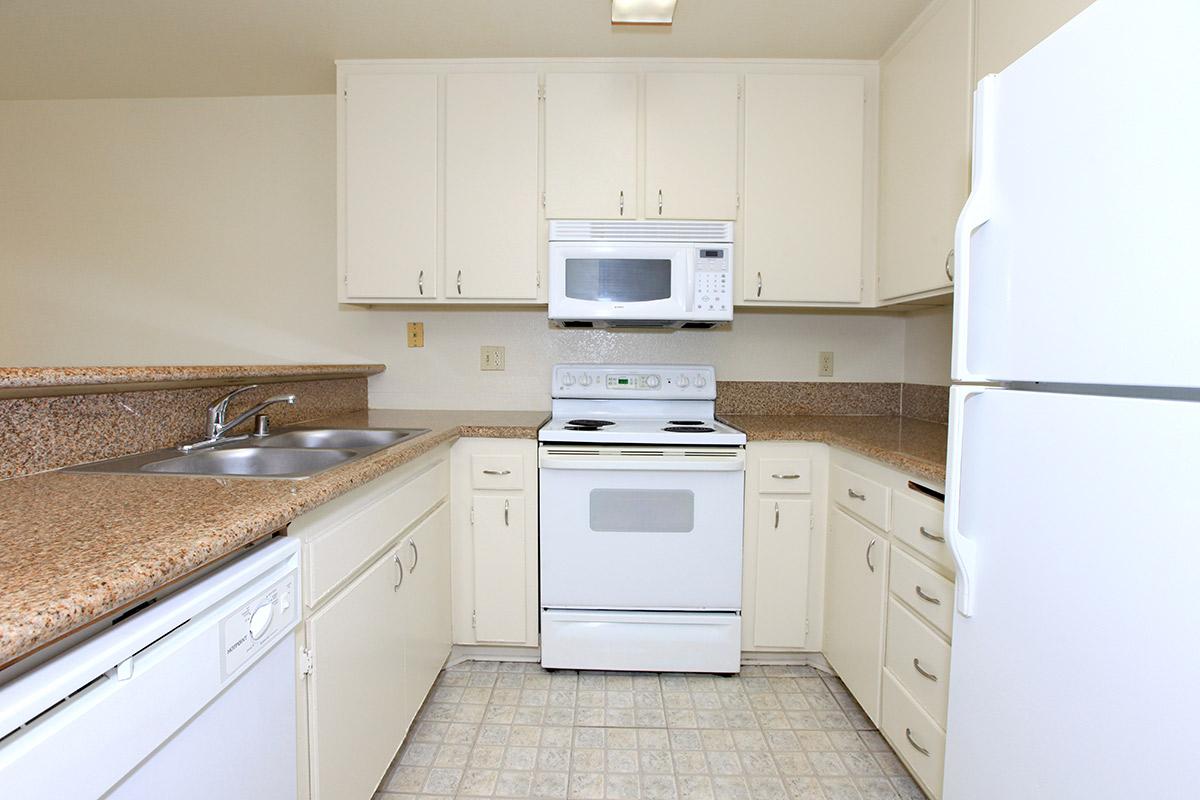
735,463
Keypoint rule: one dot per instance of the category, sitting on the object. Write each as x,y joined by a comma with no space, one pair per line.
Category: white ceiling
165,48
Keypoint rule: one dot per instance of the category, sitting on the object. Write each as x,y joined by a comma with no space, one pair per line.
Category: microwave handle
690,260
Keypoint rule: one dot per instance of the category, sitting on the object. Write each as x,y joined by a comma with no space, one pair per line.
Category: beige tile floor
508,729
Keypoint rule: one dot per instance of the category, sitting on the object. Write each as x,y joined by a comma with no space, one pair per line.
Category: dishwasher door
193,697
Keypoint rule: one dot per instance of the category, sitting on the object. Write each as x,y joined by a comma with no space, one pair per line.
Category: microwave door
618,281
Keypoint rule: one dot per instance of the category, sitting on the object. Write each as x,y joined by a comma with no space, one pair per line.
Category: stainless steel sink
274,462
353,438
295,454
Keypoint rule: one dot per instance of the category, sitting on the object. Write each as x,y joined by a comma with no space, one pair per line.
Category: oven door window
618,280
642,511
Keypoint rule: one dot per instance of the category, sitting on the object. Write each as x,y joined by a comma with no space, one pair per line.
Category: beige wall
1007,29
203,231
927,340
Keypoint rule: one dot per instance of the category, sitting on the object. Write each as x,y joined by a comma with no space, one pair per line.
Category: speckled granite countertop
42,377
76,547
911,445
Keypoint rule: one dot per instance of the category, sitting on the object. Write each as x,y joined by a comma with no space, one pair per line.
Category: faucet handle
221,404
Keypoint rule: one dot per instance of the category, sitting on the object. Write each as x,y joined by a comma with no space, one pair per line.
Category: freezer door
1075,675
1076,251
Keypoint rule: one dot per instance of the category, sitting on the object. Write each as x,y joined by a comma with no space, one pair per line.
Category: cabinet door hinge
541,93
739,91
737,200
474,620
346,279
539,279
543,199
306,662
812,523
472,513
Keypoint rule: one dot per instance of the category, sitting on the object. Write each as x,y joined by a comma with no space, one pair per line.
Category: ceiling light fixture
643,12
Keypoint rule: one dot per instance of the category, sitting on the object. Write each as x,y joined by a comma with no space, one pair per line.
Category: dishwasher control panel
255,625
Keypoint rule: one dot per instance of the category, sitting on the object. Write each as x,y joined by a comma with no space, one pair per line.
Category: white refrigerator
1073,479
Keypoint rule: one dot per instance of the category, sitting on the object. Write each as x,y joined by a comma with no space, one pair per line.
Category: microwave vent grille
639,231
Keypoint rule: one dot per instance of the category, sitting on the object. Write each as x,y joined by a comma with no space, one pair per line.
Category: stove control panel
645,381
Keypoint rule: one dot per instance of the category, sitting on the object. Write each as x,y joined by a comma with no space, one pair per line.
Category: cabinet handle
421,282
917,747
497,471
459,281
855,495
924,674
506,513
776,514
400,570
927,598
759,285
416,555
622,203
950,265
932,536
870,566
791,476
660,202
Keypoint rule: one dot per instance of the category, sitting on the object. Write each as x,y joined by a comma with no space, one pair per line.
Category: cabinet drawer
497,472
928,593
919,659
335,555
919,525
914,735
861,496
791,475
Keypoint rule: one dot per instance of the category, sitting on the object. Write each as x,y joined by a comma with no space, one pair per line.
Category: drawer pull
931,536
497,471
870,566
777,515
791,476
855,495
506,517
924,674
927,598
917,747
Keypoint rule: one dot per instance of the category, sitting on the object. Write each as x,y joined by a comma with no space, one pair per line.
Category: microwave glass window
619,280
642,510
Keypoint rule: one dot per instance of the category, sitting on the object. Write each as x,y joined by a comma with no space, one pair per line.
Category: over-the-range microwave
640,274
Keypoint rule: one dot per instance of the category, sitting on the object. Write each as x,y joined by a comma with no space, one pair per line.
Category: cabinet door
691,145
357,709
426,605
804,188
498,530
781,592
591,145
390,164
854,608
491,186
925,107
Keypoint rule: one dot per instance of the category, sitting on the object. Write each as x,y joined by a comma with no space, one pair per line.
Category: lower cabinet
376,627
854,607
495,542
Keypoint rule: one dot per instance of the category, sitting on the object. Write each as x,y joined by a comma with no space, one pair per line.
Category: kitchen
587,429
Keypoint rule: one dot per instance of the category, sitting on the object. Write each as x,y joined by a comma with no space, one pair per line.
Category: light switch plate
491,357
825,364
416,334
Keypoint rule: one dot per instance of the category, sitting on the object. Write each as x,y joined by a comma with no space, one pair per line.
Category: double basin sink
294,454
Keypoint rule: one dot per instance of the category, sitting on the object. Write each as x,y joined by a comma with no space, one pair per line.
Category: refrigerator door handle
961,548
976,211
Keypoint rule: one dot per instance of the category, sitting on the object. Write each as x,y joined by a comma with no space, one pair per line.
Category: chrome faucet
217,426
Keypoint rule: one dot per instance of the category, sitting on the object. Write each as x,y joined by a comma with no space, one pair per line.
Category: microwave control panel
714,281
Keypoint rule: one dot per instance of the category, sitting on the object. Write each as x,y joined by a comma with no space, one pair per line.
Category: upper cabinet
591,145
925,110
389,176
491,222
691,145
802,238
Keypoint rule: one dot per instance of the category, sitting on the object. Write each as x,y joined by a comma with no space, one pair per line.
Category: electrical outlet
491,357
416,334
825,364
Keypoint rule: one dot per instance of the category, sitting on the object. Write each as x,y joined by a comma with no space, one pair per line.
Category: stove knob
585,380
700,381
568,379
653,381
683,381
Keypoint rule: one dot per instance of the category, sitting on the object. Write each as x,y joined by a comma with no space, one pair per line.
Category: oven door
641,527
620,280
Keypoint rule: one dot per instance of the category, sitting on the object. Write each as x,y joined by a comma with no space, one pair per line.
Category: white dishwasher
192,697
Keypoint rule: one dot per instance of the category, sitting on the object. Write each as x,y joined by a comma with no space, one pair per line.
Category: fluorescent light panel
643,12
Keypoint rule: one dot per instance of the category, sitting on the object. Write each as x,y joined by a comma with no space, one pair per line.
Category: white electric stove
641,521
